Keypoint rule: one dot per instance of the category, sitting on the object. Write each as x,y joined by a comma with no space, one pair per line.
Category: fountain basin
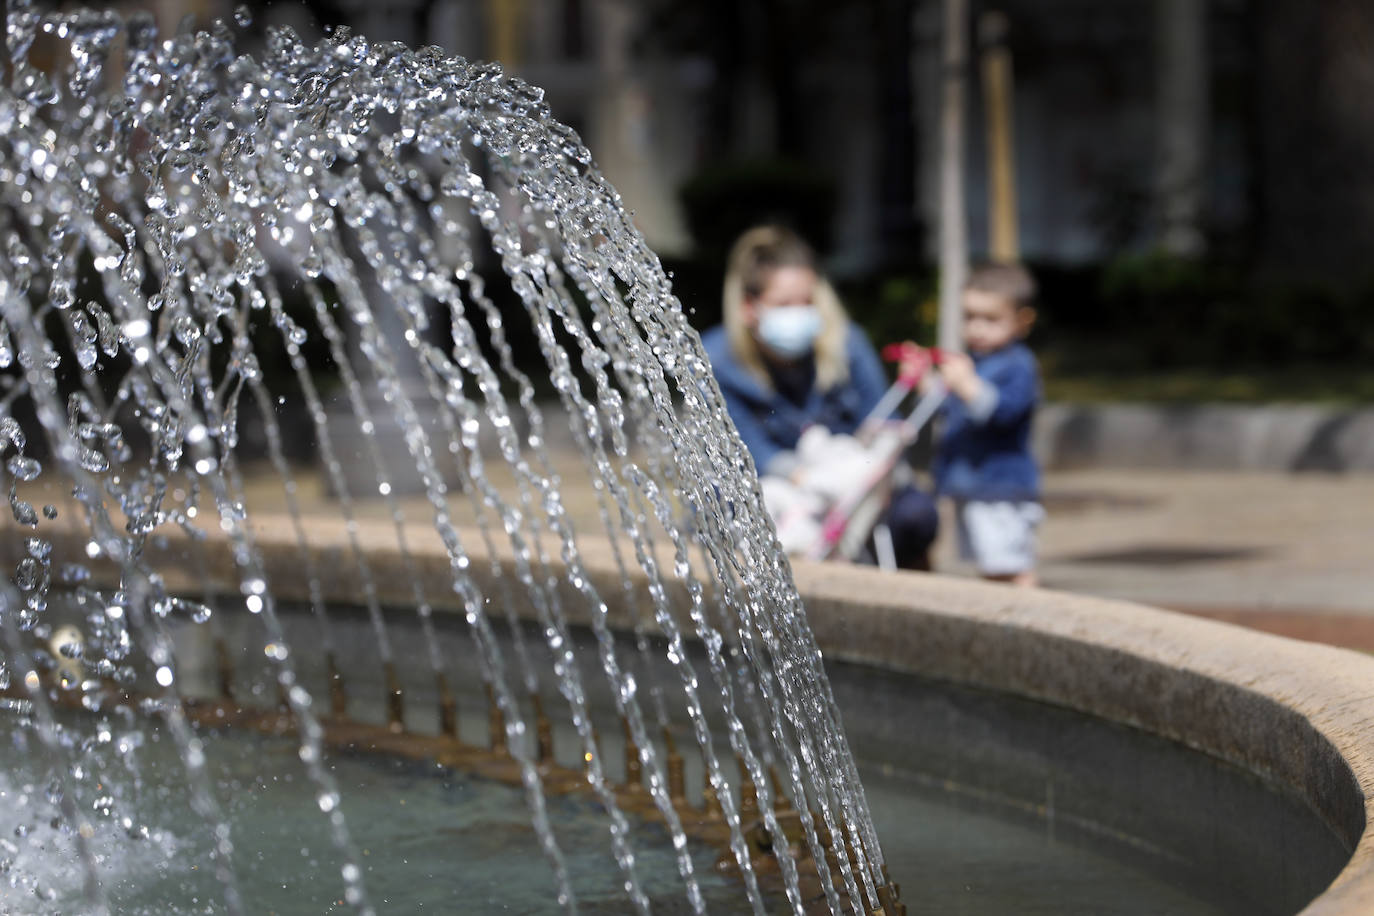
986,803
1292,716
1297,715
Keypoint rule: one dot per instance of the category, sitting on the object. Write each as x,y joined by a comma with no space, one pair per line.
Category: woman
787,357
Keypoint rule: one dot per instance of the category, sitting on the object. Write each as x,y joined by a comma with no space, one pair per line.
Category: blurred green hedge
1137,313
1155,311
721,201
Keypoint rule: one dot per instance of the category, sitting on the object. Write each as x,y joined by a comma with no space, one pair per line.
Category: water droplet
28,574
24,468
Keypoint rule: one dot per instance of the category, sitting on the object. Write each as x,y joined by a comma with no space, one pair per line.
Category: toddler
983,460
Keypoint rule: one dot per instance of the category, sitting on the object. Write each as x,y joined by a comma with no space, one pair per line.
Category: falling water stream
190,233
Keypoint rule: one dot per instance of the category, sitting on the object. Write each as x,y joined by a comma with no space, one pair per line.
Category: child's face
990,321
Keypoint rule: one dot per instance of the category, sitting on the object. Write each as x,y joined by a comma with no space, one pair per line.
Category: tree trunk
1003,239
1184,84
953,228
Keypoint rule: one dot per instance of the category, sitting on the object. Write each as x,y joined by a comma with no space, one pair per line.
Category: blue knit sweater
984,450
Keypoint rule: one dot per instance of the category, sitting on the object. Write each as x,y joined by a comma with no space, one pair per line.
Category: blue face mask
789,330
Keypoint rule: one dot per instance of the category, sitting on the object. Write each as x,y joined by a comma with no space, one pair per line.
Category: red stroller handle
908,352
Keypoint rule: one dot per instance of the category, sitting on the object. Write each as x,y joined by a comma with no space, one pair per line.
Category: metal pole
953,222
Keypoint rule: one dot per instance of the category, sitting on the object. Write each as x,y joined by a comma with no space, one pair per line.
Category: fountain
211,258
181,222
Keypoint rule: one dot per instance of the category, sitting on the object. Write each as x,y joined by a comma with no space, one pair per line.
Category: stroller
837,503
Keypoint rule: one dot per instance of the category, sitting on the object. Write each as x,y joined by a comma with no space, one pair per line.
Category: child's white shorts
998,537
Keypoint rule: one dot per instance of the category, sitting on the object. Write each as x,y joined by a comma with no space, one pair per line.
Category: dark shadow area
1166,555
1081,500
1323,450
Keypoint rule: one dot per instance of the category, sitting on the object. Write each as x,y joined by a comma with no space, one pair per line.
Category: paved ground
1280,551
1284,552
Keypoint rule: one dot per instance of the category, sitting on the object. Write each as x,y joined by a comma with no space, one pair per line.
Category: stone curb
1298,437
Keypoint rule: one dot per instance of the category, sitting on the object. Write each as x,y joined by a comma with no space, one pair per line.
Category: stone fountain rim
1296,713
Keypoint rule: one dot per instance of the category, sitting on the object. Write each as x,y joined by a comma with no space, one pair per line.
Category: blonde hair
756,254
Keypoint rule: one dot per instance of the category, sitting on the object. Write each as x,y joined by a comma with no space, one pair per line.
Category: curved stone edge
1297,713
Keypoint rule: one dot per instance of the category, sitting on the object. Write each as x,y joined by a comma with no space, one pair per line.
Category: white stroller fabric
836,498
834,470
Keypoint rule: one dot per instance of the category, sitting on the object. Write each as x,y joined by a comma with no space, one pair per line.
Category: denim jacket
770,424
984,449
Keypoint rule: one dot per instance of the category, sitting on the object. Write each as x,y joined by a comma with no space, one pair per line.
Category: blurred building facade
1193,125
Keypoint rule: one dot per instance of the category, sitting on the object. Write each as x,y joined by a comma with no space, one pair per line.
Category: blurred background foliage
714,115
